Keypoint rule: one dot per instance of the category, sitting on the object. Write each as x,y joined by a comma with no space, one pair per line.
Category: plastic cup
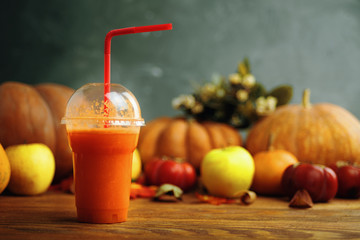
102,145
103,123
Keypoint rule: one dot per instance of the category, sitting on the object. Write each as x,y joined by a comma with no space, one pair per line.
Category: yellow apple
32,168
227,172
4,169
136,165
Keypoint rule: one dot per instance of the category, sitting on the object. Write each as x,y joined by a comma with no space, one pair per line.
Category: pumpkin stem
270,146
179,159
306,98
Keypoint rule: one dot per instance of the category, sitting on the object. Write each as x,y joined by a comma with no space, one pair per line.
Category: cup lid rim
112,120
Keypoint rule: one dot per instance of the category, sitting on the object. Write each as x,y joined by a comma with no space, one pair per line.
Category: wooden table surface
52,216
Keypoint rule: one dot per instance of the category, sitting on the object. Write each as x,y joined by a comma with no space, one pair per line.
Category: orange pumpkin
32,115
269,168
183,138
322,133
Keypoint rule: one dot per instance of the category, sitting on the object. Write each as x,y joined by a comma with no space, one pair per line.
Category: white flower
220,92
198,108
242,95
187,101
235,78
209,88
248,80
207,91
265,106
216,79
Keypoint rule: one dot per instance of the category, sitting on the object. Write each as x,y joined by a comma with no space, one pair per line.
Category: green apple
227,172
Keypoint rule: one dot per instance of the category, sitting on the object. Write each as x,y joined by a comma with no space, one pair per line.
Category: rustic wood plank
52,216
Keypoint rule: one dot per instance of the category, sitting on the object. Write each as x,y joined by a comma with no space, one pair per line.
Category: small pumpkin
32,114
269,168
184,138
322,133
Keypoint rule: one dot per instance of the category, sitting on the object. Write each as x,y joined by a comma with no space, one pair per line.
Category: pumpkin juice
102,136
102,172
103,123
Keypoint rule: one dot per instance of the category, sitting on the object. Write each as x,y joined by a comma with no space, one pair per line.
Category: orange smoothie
102,172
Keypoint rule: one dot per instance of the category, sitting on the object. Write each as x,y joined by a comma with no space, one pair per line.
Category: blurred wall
308,44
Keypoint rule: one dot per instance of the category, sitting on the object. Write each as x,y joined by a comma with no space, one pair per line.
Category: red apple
348,179
319,181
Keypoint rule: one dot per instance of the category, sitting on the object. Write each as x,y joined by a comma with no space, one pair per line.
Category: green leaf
283,93
244,67
257,90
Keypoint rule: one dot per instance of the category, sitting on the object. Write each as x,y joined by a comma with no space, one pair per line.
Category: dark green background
308,44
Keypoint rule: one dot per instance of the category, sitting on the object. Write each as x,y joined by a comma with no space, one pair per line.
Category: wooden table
52,216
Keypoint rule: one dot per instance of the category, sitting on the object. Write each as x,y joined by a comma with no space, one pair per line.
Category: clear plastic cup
103,134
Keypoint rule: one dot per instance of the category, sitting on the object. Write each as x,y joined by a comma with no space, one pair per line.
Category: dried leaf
168,192
213,200
66,185
139,191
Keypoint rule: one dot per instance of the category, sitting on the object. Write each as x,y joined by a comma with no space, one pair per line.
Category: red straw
107,50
